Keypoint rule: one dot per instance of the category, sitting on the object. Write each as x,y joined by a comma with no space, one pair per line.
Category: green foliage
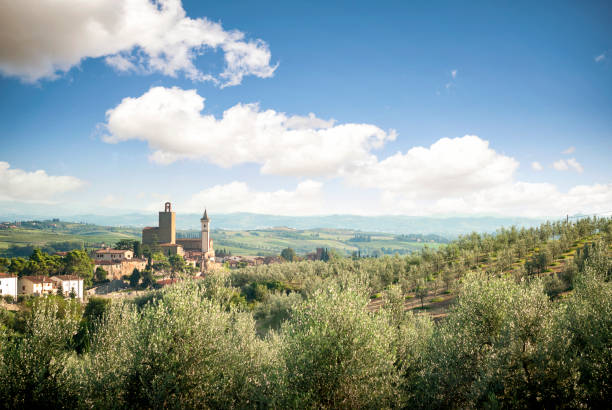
306,336
288,254
80,264
177,263
135,278
100,275
337,354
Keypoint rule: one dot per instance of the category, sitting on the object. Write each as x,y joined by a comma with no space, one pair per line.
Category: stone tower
205,233
167,225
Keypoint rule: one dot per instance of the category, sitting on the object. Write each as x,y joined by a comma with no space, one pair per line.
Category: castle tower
205,232
167,225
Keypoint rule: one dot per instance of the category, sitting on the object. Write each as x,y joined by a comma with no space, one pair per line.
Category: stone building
164,237
113,255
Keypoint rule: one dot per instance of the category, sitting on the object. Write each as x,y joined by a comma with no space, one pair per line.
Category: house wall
68,285
26,287
8,286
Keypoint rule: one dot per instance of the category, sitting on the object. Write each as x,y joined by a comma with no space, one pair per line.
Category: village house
113,255
69,284
36,285
8,285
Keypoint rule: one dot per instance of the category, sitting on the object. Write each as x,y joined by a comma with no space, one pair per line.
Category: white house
8,285
35,285
69,283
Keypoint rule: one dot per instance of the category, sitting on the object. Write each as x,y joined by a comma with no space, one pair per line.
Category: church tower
205,232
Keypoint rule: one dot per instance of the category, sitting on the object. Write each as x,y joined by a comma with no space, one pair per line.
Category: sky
306,108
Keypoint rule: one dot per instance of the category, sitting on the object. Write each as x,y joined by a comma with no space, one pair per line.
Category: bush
336,354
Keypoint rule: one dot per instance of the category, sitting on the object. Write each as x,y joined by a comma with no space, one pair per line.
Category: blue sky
438,107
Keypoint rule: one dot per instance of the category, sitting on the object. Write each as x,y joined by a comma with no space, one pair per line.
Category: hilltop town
159,259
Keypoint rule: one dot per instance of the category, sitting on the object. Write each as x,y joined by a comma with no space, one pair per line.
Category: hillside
531,317
396,224
20,239
59,235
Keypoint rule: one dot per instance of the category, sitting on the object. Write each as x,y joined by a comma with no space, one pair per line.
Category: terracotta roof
117,261
149,227
112,250
67,277
38,279
6,275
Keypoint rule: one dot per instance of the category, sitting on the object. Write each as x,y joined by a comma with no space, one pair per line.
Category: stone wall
125,267
150,236
189,244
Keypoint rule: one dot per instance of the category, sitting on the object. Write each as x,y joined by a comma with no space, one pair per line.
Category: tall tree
80,264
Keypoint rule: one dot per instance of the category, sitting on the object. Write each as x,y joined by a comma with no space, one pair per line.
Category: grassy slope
91,235
438,304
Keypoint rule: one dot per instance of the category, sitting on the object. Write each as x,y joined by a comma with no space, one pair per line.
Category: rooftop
67,277
112,250
6,275
38,279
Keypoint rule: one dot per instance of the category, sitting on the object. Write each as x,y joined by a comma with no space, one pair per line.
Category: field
251,242
41,233
272,241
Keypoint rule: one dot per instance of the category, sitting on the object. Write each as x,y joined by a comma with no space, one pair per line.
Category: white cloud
454,74
171,122
600,57
570,150
560,165
43,38
515,199
306,199
19,185
448,167
564,165
536,166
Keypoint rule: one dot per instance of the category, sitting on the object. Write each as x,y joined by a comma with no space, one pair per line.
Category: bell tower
205,221
167,225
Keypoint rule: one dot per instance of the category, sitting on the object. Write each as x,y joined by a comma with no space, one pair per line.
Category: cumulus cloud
171,122
600,57
43,38
19,185
306,199
564,165
536,166
448,167
570,150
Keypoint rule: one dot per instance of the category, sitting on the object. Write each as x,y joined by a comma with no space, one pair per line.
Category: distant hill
448,227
